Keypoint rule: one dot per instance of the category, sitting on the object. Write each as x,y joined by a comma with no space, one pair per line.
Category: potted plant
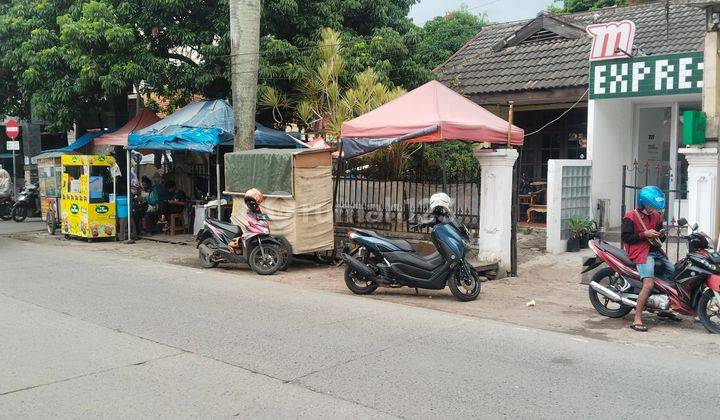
586,230
578,228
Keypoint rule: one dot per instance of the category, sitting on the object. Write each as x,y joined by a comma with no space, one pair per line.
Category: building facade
619,105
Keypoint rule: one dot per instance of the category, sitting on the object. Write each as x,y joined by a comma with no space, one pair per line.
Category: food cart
49,170
88,196
297,184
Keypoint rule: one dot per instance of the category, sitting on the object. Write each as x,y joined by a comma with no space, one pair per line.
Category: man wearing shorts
642,233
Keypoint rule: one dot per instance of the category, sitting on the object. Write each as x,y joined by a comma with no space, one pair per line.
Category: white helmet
439,200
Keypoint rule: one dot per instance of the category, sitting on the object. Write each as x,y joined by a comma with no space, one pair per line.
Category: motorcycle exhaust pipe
615,297
363,270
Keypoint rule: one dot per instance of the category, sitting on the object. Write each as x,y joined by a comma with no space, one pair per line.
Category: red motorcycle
693,289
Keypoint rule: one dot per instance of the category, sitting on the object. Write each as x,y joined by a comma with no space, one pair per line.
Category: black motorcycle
27,204
6,206
395,263
220,242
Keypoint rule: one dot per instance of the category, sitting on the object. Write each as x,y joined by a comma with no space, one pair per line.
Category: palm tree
321,104
245,50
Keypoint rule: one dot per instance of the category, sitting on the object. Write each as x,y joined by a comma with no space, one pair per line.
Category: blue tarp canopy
80,142
273,139
200,127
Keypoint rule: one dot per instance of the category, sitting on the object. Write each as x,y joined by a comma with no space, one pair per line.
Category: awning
81,141
198,127
430,113
119,137
267,137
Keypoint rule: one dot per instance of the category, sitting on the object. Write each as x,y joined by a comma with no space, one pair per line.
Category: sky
497,10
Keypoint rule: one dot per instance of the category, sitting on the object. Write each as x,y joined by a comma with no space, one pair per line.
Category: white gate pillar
495,222
702,185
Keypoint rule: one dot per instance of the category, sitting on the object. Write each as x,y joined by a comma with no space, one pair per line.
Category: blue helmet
652,197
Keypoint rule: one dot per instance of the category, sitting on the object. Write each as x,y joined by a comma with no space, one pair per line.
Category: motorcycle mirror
695,227
682,221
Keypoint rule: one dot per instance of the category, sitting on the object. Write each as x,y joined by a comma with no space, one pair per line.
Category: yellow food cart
88,196
49,170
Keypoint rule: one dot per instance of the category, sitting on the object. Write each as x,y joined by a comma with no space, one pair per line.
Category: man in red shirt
642,233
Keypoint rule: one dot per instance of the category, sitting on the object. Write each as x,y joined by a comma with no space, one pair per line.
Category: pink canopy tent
119,137
430,113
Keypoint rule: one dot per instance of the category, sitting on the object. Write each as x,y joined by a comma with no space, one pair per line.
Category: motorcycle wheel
266,261
709,311
464,292
19,213
51,225
357,284
603,305
5,212
205,259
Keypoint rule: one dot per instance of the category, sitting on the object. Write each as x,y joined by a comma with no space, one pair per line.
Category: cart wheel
51,224
287,253
326,257
67,237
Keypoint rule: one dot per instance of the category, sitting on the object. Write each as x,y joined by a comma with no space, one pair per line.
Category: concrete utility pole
711,83
245,50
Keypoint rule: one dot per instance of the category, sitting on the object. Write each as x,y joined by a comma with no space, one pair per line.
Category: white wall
610,146
554,243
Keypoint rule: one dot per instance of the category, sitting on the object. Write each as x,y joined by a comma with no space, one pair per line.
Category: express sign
668,74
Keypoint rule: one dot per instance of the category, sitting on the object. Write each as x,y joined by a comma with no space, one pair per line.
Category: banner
668,74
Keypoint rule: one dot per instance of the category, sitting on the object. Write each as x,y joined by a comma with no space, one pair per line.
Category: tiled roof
563,62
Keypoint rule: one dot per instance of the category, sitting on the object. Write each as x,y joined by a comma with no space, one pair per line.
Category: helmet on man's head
440,201
652,197
253,198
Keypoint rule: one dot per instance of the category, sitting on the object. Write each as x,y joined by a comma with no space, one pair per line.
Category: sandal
639,327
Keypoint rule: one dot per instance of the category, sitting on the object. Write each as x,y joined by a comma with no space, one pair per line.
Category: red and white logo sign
12,129
611,40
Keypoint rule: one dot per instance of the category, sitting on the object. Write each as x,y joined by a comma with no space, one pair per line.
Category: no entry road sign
12,129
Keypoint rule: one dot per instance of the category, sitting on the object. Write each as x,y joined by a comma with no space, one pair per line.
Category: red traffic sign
12,129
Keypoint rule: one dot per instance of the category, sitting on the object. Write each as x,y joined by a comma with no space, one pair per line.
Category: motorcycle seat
400,243
228,227
616,252
425,262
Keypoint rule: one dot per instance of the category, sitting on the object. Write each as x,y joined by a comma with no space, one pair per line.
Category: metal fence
638,175
395,204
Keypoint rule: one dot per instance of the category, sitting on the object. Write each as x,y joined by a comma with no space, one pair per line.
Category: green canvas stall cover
269,170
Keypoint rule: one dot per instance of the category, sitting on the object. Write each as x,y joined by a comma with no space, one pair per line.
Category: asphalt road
86,334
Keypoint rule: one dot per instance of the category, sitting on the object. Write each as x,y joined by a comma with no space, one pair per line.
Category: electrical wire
561,115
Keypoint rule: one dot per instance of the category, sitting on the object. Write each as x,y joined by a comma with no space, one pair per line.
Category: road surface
85,334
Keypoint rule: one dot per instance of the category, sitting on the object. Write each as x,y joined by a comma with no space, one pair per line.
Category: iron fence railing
395,204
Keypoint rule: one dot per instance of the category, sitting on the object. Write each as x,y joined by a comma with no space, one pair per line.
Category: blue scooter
395,263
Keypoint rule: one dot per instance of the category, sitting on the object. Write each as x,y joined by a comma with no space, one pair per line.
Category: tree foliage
442,36
62,59
324,97
570,6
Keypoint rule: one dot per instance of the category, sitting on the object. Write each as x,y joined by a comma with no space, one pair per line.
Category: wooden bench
536,208
177,224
